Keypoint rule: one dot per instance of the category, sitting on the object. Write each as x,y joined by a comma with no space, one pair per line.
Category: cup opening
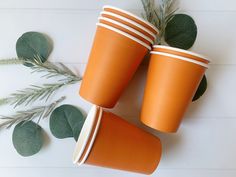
182,51
124,34
127,27
85,133
181,58
129,21
132,15
91,138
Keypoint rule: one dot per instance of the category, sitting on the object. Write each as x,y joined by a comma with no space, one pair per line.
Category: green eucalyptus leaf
66,121
201,89
33,44
27,138
181,31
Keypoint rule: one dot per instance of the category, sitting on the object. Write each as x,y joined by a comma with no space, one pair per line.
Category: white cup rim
124,34
131,22
182,50
127,27
181,58
93,138
135,16
85,134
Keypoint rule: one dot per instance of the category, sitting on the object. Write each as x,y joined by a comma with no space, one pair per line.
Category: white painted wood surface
205,145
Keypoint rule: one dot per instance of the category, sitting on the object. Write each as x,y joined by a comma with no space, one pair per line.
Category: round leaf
27,138
66,121
181,31
201,89
33,44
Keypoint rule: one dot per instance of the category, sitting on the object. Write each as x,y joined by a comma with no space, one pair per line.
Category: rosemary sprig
159,15
13,61
4,101
34,93
52,70
31,114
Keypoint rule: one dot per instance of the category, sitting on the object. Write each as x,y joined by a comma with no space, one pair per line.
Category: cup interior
130,16
181,58
85,133
127,21
124,34
181,52
126,29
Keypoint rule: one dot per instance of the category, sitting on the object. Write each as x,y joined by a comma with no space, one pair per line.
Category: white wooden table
205,145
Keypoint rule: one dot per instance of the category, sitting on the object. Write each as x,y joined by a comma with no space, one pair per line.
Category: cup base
160,129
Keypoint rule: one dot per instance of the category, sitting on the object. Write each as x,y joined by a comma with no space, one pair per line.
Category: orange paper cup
132,17
171,84
118,145
113,60
181,52
126,29
129,23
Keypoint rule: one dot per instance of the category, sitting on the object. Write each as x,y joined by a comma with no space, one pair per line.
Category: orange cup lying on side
131,16
109,141
171,84
181,52
129,23
126,29
113,60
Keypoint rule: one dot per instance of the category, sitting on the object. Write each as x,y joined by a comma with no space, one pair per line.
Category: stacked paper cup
109,141
121,42
172,80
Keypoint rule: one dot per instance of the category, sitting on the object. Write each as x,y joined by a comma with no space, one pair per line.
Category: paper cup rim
126,27
124,34
85,134
93,138
135,16
131,22
181,58
183,51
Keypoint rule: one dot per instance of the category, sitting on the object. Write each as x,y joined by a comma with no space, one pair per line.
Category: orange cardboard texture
170,86
121,145
113,60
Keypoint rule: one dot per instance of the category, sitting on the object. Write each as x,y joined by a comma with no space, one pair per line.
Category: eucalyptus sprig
159,15
29,115
34,92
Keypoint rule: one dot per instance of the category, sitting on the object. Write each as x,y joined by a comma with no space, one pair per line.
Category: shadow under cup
171,84
119,145
114,58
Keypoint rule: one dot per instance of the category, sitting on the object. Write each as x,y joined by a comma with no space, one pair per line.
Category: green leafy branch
29,115
159,15
13,61
34,93
33,50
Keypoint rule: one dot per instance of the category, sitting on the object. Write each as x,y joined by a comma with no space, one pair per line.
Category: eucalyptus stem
31,114
159,15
